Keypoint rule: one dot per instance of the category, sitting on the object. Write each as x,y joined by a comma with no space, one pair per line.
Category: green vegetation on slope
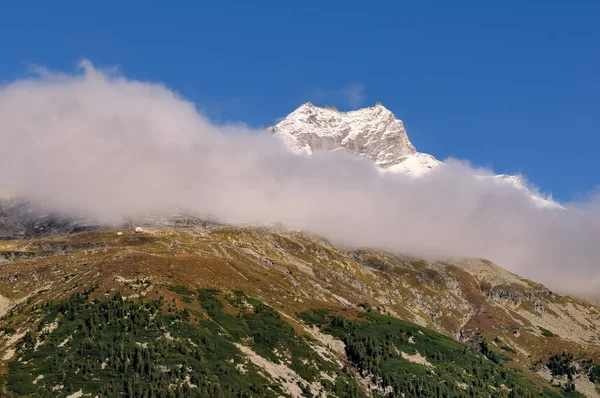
386,348
126,348
546,332
561,365
273,338
117,347
192,347
594,374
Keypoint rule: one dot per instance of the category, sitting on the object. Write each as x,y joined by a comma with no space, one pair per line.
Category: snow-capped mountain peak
372,132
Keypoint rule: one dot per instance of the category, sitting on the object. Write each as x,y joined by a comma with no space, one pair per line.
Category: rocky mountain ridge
373,133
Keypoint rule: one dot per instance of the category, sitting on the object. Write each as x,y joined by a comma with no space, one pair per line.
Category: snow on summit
373,133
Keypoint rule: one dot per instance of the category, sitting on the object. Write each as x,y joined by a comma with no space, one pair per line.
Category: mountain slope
517,323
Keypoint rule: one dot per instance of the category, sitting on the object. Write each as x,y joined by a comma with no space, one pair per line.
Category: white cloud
354,94
99,144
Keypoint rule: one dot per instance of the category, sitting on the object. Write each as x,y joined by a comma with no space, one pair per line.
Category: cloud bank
98,144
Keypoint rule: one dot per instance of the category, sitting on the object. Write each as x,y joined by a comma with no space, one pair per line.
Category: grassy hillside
270,312
240,347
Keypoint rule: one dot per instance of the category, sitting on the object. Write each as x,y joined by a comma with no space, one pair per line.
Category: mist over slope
96,144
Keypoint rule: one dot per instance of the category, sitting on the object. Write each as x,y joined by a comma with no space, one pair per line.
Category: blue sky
507,85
